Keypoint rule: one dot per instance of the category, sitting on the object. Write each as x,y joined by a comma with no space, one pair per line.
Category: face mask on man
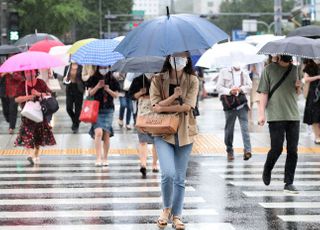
103,71
181,62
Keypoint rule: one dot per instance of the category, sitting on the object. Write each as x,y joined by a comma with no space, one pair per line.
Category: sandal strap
165,216
177,222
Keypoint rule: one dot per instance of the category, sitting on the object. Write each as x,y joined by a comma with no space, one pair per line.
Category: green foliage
64,17
228,23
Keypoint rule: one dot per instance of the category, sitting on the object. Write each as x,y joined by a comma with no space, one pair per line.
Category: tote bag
32,110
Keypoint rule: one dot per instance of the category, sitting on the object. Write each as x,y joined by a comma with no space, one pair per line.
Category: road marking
252,164
300,218
66,182
259,176
95,213
93,201
280,193
291,205
249,170
273,183
202,226
85,190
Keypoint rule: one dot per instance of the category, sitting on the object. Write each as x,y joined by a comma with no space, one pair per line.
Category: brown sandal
177,223
164,217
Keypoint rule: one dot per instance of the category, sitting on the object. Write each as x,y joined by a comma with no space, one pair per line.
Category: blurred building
151,8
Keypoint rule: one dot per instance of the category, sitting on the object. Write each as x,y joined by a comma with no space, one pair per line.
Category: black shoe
290,188
247,156
30,160
143,170
155,170
266,176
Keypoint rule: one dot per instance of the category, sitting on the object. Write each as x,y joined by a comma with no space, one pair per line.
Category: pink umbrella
30,60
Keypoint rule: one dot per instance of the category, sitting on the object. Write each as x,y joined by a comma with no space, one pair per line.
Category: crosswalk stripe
93,201
68,174
249,170
300,218
77,168
291,205
281,193
66,182
95,213
255,176
273,183
86,190
253,164
68,161
202,226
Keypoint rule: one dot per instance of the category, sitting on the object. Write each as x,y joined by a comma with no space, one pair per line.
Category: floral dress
32,134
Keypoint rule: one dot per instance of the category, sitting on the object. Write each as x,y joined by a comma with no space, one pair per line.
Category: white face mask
181,62
148,75
103,71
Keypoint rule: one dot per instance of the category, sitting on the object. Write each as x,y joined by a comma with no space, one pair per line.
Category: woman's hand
100,84
35,93
143,91
106,88
177,92
157,108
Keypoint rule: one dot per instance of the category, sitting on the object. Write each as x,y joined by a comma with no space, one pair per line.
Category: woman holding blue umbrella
104,88
175,90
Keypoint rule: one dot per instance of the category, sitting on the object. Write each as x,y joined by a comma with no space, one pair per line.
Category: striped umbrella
99,52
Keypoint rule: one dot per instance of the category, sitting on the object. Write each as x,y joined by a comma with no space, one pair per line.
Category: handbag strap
284,76
26,88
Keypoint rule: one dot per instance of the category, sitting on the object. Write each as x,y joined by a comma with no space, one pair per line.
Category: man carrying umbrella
278,90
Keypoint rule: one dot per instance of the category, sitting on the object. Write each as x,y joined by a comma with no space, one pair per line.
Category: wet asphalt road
68,192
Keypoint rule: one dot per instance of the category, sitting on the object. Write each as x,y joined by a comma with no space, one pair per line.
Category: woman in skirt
104,88
32,135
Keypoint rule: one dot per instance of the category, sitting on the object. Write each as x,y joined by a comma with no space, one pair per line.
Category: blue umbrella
98,52
170,34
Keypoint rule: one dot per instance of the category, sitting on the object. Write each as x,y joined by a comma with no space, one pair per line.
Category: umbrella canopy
311,31
170,34
30,39
294,46
60,52
9,49
29,60
230,54
99,52
78,44
45,45
139,65
262,38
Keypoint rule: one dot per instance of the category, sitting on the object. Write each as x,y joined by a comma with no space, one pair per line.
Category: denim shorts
104,121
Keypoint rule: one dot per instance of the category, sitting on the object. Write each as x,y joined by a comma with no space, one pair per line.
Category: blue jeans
231,116
125,103
173,164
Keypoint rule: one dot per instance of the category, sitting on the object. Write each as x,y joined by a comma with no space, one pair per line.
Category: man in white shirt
233,82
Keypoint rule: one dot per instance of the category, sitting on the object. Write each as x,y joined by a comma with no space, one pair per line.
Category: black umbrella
311,31
293,46
30,39
9,49
139,65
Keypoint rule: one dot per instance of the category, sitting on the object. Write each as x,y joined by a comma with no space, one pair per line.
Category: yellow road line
204,144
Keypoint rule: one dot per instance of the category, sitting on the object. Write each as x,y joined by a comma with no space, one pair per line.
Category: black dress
312,108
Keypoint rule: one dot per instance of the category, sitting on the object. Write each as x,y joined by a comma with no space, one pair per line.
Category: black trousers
10,110
278,131
74,104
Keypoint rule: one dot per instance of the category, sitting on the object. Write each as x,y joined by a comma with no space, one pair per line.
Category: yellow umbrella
78,44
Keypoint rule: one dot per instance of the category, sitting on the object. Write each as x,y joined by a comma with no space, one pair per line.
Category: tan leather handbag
155,123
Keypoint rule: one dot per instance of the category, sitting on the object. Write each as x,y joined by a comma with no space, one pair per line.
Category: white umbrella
256,39
119,39
238,53
60,52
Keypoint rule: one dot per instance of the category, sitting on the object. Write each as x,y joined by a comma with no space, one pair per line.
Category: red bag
90,111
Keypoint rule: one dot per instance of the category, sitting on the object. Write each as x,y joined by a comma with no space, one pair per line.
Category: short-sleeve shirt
283,105
105,99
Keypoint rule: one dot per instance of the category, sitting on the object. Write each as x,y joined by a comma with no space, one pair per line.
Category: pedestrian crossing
72,193
302,209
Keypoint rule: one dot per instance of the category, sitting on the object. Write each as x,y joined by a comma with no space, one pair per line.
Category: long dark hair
187,69
311,68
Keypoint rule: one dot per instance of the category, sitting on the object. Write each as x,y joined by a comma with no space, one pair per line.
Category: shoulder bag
155,123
